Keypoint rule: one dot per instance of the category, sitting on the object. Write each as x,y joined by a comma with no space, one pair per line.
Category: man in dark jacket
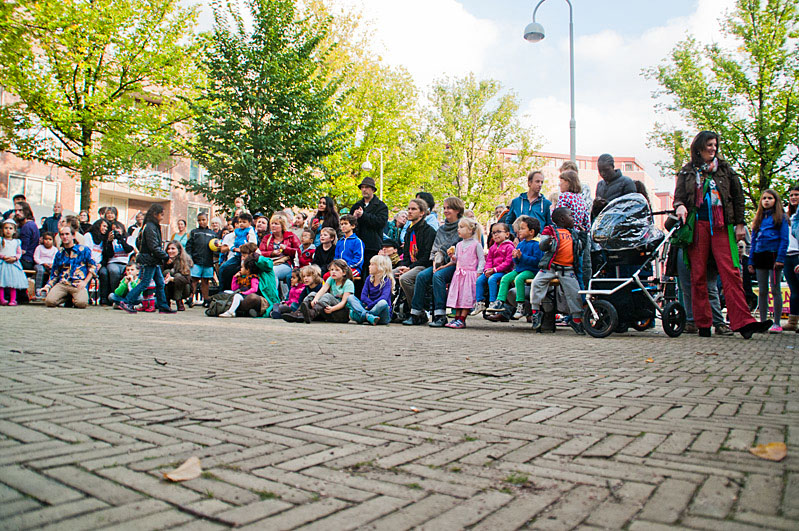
613,183
51,224
151,257
416,250
372,216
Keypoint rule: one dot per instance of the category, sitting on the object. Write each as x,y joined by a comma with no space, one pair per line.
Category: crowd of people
355,263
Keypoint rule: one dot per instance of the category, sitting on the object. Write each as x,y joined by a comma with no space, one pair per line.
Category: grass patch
455,469
469,438
414,486
209,475
209,494
516,479
266,495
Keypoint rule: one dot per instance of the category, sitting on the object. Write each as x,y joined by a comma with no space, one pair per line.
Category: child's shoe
457,323
519,311
496,306
479,308
577,327
536,320
371,319
180,305
776,329
354,317
227,314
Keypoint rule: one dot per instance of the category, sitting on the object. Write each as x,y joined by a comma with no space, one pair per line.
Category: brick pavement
344,426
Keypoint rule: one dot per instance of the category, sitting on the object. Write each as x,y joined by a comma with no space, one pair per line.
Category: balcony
140,184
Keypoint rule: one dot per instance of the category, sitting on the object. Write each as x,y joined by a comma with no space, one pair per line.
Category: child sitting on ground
311,283
562,248
294,297
469,262
526,256
127,283
499,261
43,257
350,247
374,306
244,282
332,296
306,251
325,252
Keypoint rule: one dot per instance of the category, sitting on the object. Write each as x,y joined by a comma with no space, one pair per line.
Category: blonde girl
12,277
469,264
374,306
332,296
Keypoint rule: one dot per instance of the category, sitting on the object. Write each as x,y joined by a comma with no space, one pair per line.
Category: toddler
325,252
312,283
469,262
526,257
374,306
43,257
769,247
12,277
244,283
307,248
498,262
127,283
562,249
332,296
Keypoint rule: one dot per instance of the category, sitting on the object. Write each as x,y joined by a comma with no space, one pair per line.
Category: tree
269,112
470,122
99,83
748,94
675,142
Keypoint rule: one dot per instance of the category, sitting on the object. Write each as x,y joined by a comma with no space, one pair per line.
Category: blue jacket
771,238
351,251
539,209
531,255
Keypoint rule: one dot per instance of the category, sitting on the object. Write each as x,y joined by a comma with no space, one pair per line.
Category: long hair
778,214
183,262
154,210
341,265
792,208
96,232
698,144
384,270
330,216
571,177
27,211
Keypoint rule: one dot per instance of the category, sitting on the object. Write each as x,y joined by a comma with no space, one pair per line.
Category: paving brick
298,516
620,506
669,501
761,494
171,492
38,486
469,512
47,515
715,498
97,487
414,514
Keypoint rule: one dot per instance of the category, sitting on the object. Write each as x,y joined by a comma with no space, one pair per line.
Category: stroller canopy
626,223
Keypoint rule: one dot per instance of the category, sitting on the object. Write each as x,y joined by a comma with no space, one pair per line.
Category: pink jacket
245,290
500,257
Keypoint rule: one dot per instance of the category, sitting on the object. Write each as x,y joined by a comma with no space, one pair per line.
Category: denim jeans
110,275
439,280
283,276
228,270
358,313
147,274
684,278
492,283
791,261
42,274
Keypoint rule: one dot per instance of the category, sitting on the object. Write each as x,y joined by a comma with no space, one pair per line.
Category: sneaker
14,303
372,319
479,308
755,327
124,306
498,318
723,330
439,321
496,306
519,311
354,316
690,328
227,314
536,321
180,305
577,327
457,323
166,309
776,329
415,320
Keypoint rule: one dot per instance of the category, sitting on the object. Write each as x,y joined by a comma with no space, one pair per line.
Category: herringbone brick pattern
345,426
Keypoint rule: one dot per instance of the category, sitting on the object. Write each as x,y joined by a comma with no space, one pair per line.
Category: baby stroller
626,232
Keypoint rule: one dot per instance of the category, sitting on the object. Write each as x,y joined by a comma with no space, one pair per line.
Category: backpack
218,304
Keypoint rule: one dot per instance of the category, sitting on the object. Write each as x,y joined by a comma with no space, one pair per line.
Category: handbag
683,237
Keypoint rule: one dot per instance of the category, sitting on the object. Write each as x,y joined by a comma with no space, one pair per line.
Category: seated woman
177,275
281,246
116,255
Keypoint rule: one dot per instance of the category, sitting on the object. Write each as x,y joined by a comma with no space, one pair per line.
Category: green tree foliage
470,122
748,94
675,142
98,82
268,115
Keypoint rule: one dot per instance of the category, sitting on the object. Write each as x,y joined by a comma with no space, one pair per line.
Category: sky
614,41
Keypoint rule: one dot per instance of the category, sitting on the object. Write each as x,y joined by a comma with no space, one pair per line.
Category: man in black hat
372,216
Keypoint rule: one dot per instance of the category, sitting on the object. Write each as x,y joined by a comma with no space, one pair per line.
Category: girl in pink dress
469,263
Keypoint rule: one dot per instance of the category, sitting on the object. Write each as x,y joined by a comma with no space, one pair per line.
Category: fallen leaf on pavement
650,360
189,470
775,451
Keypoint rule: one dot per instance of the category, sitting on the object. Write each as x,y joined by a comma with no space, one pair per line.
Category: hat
368,181
10,221
391,242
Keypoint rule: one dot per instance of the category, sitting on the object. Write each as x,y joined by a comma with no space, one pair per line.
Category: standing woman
326,216
571,197
792,257
281,246
182,234
151,257
709,191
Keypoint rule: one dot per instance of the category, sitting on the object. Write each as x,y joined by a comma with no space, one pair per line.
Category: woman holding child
281,245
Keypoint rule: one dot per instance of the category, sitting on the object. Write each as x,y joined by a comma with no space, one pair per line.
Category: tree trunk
86,172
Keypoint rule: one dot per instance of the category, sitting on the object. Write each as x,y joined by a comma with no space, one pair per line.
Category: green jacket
124,287
267,284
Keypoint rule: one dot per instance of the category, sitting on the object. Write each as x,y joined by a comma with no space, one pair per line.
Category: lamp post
534,32
367,166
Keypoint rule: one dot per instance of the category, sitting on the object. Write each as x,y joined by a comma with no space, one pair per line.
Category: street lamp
534,32
367,166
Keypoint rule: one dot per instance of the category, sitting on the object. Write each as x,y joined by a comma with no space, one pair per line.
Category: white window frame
27,177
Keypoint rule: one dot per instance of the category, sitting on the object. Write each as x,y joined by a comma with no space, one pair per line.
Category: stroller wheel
644,325
606,322
673,319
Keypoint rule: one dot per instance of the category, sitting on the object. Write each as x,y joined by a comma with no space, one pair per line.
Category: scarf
446,237
707,191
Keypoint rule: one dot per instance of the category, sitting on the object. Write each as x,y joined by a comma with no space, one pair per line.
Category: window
193,212
37,191
196,173
628,166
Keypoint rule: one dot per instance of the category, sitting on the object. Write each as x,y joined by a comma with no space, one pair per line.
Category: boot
308,313
793,323
293,317
181,307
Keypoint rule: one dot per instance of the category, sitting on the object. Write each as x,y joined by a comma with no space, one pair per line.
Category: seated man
416,249
436,276
72,270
